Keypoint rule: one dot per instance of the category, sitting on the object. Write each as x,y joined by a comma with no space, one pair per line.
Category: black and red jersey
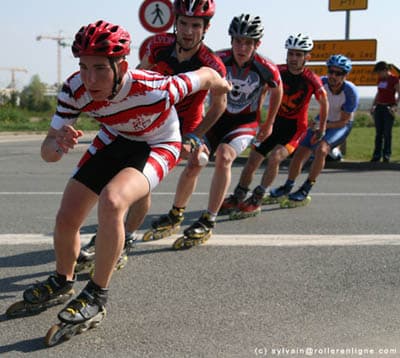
161,53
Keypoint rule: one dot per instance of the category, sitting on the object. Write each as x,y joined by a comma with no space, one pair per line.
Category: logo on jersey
244,92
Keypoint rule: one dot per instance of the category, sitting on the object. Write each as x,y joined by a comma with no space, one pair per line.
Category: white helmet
299,42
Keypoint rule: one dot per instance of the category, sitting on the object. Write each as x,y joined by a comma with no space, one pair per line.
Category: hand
317,136
263,133
67,138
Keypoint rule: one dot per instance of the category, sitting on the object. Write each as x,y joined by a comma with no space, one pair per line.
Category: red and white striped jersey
142,110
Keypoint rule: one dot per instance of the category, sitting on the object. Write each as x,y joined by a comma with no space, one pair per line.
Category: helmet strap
117,79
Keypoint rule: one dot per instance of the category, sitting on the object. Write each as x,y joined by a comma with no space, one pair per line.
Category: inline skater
343,98
252,77
138,143
299,84
173,53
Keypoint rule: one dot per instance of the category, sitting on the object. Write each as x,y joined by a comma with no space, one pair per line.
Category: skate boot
165,226
85,261
277,195
250,207
130,241
86,311
232,201
299,197
196,234
42,295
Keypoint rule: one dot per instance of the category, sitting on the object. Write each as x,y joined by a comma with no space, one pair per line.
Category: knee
322,151
110,203
223,158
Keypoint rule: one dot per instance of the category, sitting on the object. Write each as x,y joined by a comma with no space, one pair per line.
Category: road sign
356,50
340,5
156,15
360,75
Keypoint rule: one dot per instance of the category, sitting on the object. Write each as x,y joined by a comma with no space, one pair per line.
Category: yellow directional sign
356,50
340,5
360,75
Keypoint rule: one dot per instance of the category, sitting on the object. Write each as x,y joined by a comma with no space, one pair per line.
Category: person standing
343,98
383,110
299,85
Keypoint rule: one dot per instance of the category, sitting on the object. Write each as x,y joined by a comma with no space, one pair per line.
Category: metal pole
343,147
347,36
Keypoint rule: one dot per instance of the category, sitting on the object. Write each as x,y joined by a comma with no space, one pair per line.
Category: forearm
50,150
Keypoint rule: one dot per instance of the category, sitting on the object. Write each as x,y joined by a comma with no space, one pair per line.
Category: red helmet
195,8
101,39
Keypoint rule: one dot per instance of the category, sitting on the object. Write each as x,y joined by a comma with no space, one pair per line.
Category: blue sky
23,20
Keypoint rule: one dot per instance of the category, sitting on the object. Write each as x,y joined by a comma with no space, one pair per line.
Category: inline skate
86,259
165,226
53,291
196,234
232,202
84,312
277,195
296,199
250,207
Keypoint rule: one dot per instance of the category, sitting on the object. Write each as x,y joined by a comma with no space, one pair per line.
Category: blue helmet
340,61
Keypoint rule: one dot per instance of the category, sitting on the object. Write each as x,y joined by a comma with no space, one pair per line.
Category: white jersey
346,100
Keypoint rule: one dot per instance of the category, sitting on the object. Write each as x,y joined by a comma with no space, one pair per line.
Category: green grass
359,145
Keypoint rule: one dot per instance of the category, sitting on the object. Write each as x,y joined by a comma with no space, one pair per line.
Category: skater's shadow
26,346
17,283
28,259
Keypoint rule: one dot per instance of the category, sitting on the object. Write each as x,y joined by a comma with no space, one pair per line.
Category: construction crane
60,43
13,84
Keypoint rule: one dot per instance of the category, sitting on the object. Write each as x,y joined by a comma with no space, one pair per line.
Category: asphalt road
322,280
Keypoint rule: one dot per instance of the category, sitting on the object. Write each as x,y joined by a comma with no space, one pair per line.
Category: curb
343,164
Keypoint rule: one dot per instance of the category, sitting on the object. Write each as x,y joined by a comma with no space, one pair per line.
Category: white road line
235,240
196,193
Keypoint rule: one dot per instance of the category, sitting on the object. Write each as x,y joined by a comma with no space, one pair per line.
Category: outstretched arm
211,80
58,142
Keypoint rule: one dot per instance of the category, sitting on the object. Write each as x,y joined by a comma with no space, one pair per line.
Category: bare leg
137,213
125,188
225,155
75,206
253,163
277,155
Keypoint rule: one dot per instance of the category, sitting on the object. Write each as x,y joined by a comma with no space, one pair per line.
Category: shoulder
312,77
350,88
210,59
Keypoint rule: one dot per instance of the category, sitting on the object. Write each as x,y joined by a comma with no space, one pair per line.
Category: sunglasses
336,73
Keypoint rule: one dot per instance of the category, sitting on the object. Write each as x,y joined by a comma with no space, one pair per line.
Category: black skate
196,234
41,296
84,312
164,226
85,261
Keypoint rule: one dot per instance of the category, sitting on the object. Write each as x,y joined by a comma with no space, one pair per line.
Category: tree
33,96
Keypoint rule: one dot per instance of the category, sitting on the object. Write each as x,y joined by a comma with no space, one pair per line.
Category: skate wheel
54,335
148,236
179,243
